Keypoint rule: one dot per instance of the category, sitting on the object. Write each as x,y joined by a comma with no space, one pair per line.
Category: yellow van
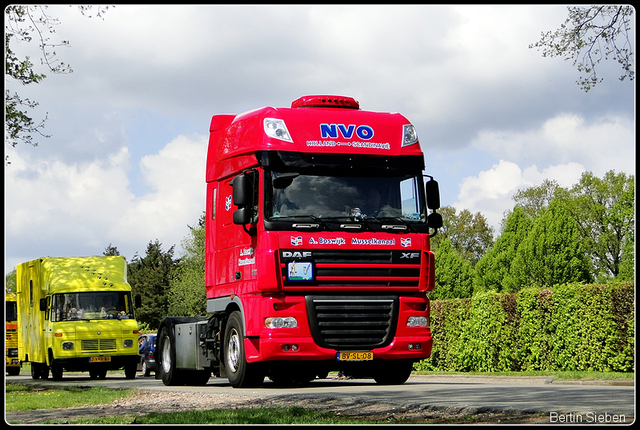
76,314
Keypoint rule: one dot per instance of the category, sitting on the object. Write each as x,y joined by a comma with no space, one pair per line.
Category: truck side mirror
43,305
242,191
242,216
138,301
243,197
433,195
434,220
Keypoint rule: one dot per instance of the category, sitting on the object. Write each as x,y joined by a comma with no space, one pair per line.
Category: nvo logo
331,131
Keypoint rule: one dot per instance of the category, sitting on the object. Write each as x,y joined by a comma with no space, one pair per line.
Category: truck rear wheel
238,371
39,370
170,374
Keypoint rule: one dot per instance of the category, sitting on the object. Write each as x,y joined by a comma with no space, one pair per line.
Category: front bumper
85,363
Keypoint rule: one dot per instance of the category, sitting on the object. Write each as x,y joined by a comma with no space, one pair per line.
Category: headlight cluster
417,322
276,129
280,322
409,135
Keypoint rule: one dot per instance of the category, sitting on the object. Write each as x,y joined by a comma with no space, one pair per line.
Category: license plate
99,359
355,356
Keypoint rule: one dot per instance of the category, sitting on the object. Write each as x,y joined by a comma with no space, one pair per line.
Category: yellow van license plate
355,356
99,359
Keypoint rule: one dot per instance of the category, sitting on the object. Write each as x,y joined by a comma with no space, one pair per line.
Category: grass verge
288,415
29,397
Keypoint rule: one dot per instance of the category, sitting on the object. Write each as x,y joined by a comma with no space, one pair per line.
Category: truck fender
227,305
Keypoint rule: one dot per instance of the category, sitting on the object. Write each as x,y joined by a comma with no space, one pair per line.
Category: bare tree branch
590,35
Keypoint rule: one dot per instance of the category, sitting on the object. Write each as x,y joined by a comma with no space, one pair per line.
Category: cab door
235,256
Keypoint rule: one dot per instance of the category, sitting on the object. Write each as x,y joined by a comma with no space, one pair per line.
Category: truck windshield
91,306
355,198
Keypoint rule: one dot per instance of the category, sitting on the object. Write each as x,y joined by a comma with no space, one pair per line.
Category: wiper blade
304,225
404,225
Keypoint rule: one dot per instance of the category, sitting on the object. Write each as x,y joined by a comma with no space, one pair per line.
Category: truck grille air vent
352,269
352,323
98,345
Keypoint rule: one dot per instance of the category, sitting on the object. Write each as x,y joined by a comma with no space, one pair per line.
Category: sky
124,165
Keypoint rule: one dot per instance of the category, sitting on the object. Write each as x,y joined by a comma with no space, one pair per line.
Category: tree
589,35
470,234
11,281
534,200
454,274
494,271
604,210
552,252
111,251
23,24
149,277
187,293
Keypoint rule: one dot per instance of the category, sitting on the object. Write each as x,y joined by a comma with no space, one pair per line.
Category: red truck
317,251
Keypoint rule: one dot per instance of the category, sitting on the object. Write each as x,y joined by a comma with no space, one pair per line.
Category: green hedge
570,327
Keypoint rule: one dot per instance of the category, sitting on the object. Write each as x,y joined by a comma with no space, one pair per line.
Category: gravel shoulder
145,402
148,401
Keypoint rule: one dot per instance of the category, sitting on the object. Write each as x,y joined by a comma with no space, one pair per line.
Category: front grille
98,345
350,322
348,268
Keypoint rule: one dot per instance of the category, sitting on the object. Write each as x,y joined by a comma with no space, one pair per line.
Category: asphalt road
561,400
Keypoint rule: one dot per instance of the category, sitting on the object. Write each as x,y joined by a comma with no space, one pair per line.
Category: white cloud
600,145
177,176
464,75
564,146
490,192
59,208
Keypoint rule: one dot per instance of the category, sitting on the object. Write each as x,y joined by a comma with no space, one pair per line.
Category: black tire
145,368
240,373
170,375
56,372
393,373
56,368
35,374
197,377
39,371
291,376
130,370
98,373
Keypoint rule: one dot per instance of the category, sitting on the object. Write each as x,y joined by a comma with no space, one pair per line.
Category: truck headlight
280,322
276,129
128,343
409,135
417,322
67,346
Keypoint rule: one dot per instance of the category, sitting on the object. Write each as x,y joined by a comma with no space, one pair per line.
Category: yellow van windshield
91,306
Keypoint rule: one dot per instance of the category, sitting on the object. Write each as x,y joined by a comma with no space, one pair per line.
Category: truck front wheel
394,372
238,371
56,368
